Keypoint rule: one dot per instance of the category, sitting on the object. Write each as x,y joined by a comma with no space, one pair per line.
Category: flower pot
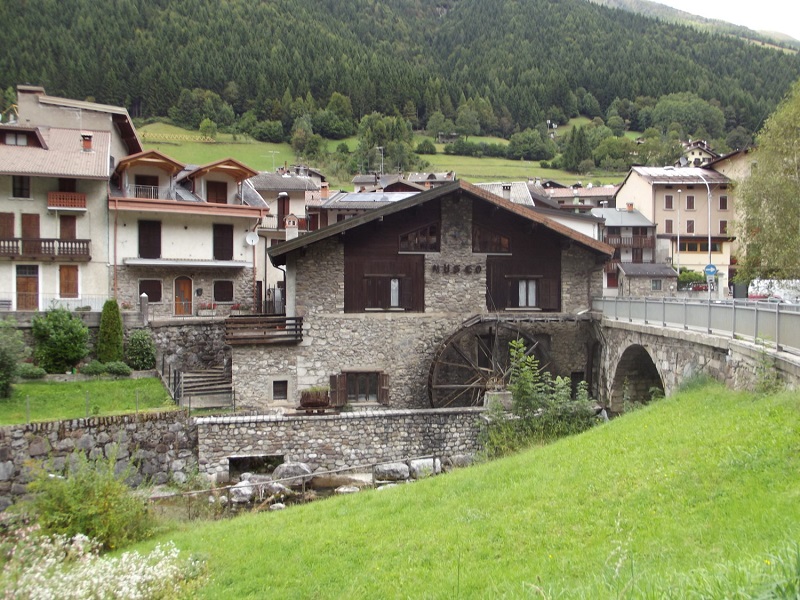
206,312
314,399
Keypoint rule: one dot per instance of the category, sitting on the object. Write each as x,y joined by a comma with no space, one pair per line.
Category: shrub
91,499
110,335
94,368
141,352
61,340
426,146
12,339
29,371
118,368
8,368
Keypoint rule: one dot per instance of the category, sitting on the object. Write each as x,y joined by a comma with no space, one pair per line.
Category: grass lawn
691,490
50,401
180,144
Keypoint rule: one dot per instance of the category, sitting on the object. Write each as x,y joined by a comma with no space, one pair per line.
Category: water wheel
472,360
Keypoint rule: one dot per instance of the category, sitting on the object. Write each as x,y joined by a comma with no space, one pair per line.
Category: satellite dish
251,238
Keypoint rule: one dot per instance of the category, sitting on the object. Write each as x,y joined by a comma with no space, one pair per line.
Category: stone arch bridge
638,357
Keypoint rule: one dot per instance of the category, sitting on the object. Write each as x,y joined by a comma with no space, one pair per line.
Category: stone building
413,304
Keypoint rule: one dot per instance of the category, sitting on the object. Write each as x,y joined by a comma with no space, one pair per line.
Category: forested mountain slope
525,58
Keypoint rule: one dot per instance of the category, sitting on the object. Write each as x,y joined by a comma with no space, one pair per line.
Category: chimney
629,206
507,191
290,224
86,141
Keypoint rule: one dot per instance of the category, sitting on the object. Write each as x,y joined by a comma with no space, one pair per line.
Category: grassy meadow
51,401
689,497
184,145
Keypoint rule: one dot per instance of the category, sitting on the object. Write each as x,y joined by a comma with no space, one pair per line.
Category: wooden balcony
66,201
45,249
259,330
630,241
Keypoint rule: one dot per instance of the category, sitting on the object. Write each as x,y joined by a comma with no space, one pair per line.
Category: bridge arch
635,378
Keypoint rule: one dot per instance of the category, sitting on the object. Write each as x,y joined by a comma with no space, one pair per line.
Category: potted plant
206,309
240,309
315,397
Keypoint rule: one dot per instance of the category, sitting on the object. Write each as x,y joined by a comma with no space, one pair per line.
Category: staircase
210,388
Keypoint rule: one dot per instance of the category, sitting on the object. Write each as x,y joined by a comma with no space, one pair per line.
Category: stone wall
641,287
581,279
161,446
190,344
327,442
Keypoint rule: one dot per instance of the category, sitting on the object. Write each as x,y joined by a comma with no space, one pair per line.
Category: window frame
690,226
150,300
723,227
655,285
214,291
723,202
668,226
417,246
690,202
20,186
149,243
70,293
496,243
669,202
341,385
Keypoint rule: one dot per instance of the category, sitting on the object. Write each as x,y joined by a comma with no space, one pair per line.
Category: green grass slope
679,492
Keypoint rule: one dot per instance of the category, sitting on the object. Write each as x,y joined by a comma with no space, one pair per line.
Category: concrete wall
327,442
162,446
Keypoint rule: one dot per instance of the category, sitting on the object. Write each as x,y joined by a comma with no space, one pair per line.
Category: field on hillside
184,145
692,496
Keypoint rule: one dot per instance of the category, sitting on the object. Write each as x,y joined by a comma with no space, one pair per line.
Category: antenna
251,238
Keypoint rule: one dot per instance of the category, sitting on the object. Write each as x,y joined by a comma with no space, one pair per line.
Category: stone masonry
327,442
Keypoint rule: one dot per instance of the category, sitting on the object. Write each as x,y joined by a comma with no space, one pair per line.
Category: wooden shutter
549,294
383,388
217,192
223,242
338,392
31,243
68,226
150,239
6,226
68,281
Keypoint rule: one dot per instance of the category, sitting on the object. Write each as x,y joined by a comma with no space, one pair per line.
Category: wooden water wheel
472,360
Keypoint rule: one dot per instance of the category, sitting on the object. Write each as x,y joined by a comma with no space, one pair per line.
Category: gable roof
152,158
286,182
647,270
230,166
278,253
673,176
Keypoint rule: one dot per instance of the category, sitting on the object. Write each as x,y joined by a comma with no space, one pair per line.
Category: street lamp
708,188
679,233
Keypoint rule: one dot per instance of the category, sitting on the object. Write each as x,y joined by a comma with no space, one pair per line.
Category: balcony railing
45,248
259,330
276,223
66,200
630,241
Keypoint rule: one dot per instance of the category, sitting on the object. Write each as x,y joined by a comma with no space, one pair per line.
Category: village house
413,304
677,202
55,164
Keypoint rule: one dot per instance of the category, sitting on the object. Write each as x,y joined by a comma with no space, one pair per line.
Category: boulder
277,506
419,468
296,473
346,489
391,472
242,492
458,461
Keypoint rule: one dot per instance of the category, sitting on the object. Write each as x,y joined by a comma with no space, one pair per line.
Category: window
668,202
689,202
146,186
723,227
526,289
223,242
68,227
359,386
223,291
68,281
151,287
723,203
425,239
385,292
668,226
489,242
217,192
16,138
149,239
655,285
637,255
6,226
20,186
690,226
280,390
612,280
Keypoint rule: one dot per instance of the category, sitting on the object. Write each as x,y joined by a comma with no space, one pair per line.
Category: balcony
66,201
45,249
259,330
630,241
276,223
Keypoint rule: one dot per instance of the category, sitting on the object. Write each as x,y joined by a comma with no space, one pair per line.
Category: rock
386,486
295,474
242,492
420,468
277,506
459,461
391,472
347,489
6,470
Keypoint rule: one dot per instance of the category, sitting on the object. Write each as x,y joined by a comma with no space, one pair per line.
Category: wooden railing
263,330
630,241
39,248
66,200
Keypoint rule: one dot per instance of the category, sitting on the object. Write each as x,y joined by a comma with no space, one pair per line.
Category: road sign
710,270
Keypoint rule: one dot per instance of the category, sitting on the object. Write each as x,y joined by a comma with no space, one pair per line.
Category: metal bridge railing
775,324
